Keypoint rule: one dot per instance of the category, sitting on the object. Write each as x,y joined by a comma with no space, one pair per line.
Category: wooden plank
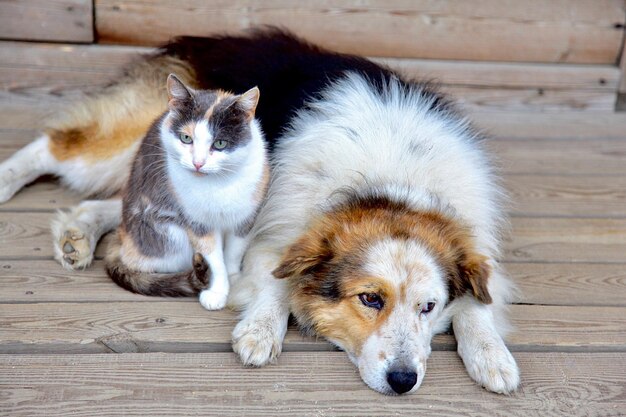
302,384
48,68
30,281
531,100
563,31
30,110
566,240
177,326
559,156
43,195
533,239
12,139
568,196
50,20
570,125
507,74
570,284
46,281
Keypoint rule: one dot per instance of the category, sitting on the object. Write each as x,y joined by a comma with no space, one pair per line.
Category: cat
195,186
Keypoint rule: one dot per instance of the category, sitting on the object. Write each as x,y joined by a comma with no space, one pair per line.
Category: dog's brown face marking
327,268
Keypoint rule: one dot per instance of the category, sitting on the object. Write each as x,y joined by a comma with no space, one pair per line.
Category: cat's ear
248,101
177,92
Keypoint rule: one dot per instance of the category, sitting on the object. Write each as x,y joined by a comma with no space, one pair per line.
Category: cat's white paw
258,341
76,249
213,300
493,367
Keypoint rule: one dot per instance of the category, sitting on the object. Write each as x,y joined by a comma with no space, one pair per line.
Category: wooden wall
535,55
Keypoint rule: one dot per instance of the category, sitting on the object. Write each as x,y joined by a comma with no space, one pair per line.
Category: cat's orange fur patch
221,95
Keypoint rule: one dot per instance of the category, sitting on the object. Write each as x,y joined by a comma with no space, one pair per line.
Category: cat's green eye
220,144
185,138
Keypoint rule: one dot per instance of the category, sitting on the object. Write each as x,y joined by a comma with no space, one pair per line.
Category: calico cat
195,185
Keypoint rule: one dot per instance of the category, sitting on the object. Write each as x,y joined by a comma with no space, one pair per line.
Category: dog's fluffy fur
382,219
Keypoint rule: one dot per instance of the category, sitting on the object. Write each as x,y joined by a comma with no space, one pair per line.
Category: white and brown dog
382,220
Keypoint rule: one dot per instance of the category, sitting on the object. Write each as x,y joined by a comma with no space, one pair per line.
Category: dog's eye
427,308
372,300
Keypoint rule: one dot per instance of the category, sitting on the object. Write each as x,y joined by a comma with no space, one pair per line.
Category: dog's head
374,279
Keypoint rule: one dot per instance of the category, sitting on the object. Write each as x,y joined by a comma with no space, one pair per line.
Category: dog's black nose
401,381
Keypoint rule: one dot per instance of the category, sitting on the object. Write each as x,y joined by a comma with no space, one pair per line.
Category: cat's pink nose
198,165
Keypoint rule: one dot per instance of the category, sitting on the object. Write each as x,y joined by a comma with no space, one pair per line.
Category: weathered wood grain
531,100
33,281
302,384
566,240
44,195
177,326
30,110
507,74
570,284
533,239
556,195
566,125
30,281
50,20
558,156
535,30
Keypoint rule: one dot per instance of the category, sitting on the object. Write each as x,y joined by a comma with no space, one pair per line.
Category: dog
383,218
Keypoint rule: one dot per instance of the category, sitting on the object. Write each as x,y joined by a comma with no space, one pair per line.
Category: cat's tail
183,284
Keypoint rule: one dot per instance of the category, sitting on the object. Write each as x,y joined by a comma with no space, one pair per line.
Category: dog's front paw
493,367
258,341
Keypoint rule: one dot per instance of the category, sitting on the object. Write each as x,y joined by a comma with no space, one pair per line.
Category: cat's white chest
217,204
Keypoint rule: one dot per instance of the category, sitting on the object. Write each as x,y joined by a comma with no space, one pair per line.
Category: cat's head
209,131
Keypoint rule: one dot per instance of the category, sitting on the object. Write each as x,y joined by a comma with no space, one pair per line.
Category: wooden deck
72,343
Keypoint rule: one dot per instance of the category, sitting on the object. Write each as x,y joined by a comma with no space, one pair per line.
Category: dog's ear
305,256
471,273
476,271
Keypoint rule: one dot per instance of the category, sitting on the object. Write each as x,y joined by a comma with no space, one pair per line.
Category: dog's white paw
258,341
493,367
213,300
8,186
